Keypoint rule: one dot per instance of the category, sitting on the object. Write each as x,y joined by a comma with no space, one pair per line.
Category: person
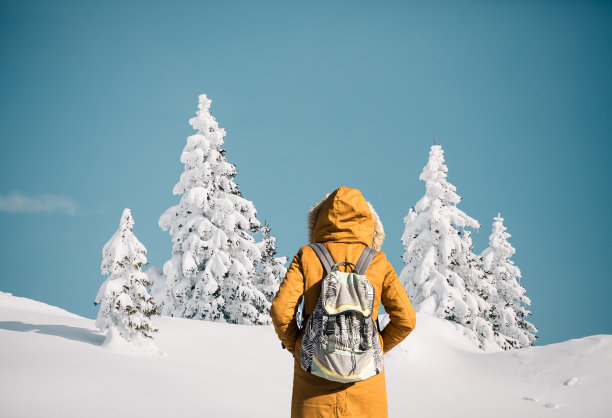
345,223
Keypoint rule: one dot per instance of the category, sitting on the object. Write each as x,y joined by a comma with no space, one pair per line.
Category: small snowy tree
272,268
442,276
480,291
214,256
509,315
125,303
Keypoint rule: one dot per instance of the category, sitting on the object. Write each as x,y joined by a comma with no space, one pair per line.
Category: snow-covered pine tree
125,303
442,276
214,256
272,268
480,291
509,314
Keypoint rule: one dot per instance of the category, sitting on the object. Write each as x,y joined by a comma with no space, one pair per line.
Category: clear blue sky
96,98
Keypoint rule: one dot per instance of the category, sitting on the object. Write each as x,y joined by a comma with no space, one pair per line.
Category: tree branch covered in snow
272,268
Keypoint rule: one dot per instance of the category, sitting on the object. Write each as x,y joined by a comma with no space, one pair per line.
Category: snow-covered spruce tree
480,291
214,256
272,268
125,303
509,313
442,276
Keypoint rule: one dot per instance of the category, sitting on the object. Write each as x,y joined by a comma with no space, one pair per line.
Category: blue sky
96,98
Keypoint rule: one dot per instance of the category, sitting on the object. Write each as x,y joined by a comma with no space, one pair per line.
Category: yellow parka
345,223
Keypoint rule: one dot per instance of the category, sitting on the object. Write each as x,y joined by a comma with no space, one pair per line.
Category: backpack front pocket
342,366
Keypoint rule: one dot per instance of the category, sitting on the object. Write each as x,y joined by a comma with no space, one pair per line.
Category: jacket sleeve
286,303
401,313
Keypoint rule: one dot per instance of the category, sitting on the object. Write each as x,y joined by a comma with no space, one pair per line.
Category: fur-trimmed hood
345,216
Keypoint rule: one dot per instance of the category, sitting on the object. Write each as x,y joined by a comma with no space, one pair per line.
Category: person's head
344,215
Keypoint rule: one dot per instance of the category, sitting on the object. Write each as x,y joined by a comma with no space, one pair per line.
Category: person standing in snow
345,223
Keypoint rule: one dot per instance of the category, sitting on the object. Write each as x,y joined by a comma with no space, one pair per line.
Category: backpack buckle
330,331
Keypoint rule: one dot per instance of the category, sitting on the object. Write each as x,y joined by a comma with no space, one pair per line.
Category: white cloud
18,202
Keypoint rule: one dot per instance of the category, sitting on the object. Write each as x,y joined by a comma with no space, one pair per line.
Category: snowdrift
55,364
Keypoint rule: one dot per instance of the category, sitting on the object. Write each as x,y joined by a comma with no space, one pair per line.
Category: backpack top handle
335,267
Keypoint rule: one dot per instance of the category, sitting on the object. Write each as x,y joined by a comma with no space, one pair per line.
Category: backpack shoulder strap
364,260
324,256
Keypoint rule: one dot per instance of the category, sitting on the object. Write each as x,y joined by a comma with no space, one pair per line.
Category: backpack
340,340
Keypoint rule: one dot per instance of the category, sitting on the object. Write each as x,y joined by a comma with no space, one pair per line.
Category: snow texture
55,364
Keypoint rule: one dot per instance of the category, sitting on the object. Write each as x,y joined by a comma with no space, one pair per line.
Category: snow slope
54,364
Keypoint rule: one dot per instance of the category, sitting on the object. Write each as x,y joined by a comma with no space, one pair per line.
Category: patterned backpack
340,340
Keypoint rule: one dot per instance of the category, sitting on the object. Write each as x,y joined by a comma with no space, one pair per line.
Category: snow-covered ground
54,364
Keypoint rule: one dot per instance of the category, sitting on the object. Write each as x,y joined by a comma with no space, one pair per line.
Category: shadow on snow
64,331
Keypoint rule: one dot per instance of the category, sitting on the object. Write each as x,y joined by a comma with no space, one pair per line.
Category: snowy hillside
53,364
